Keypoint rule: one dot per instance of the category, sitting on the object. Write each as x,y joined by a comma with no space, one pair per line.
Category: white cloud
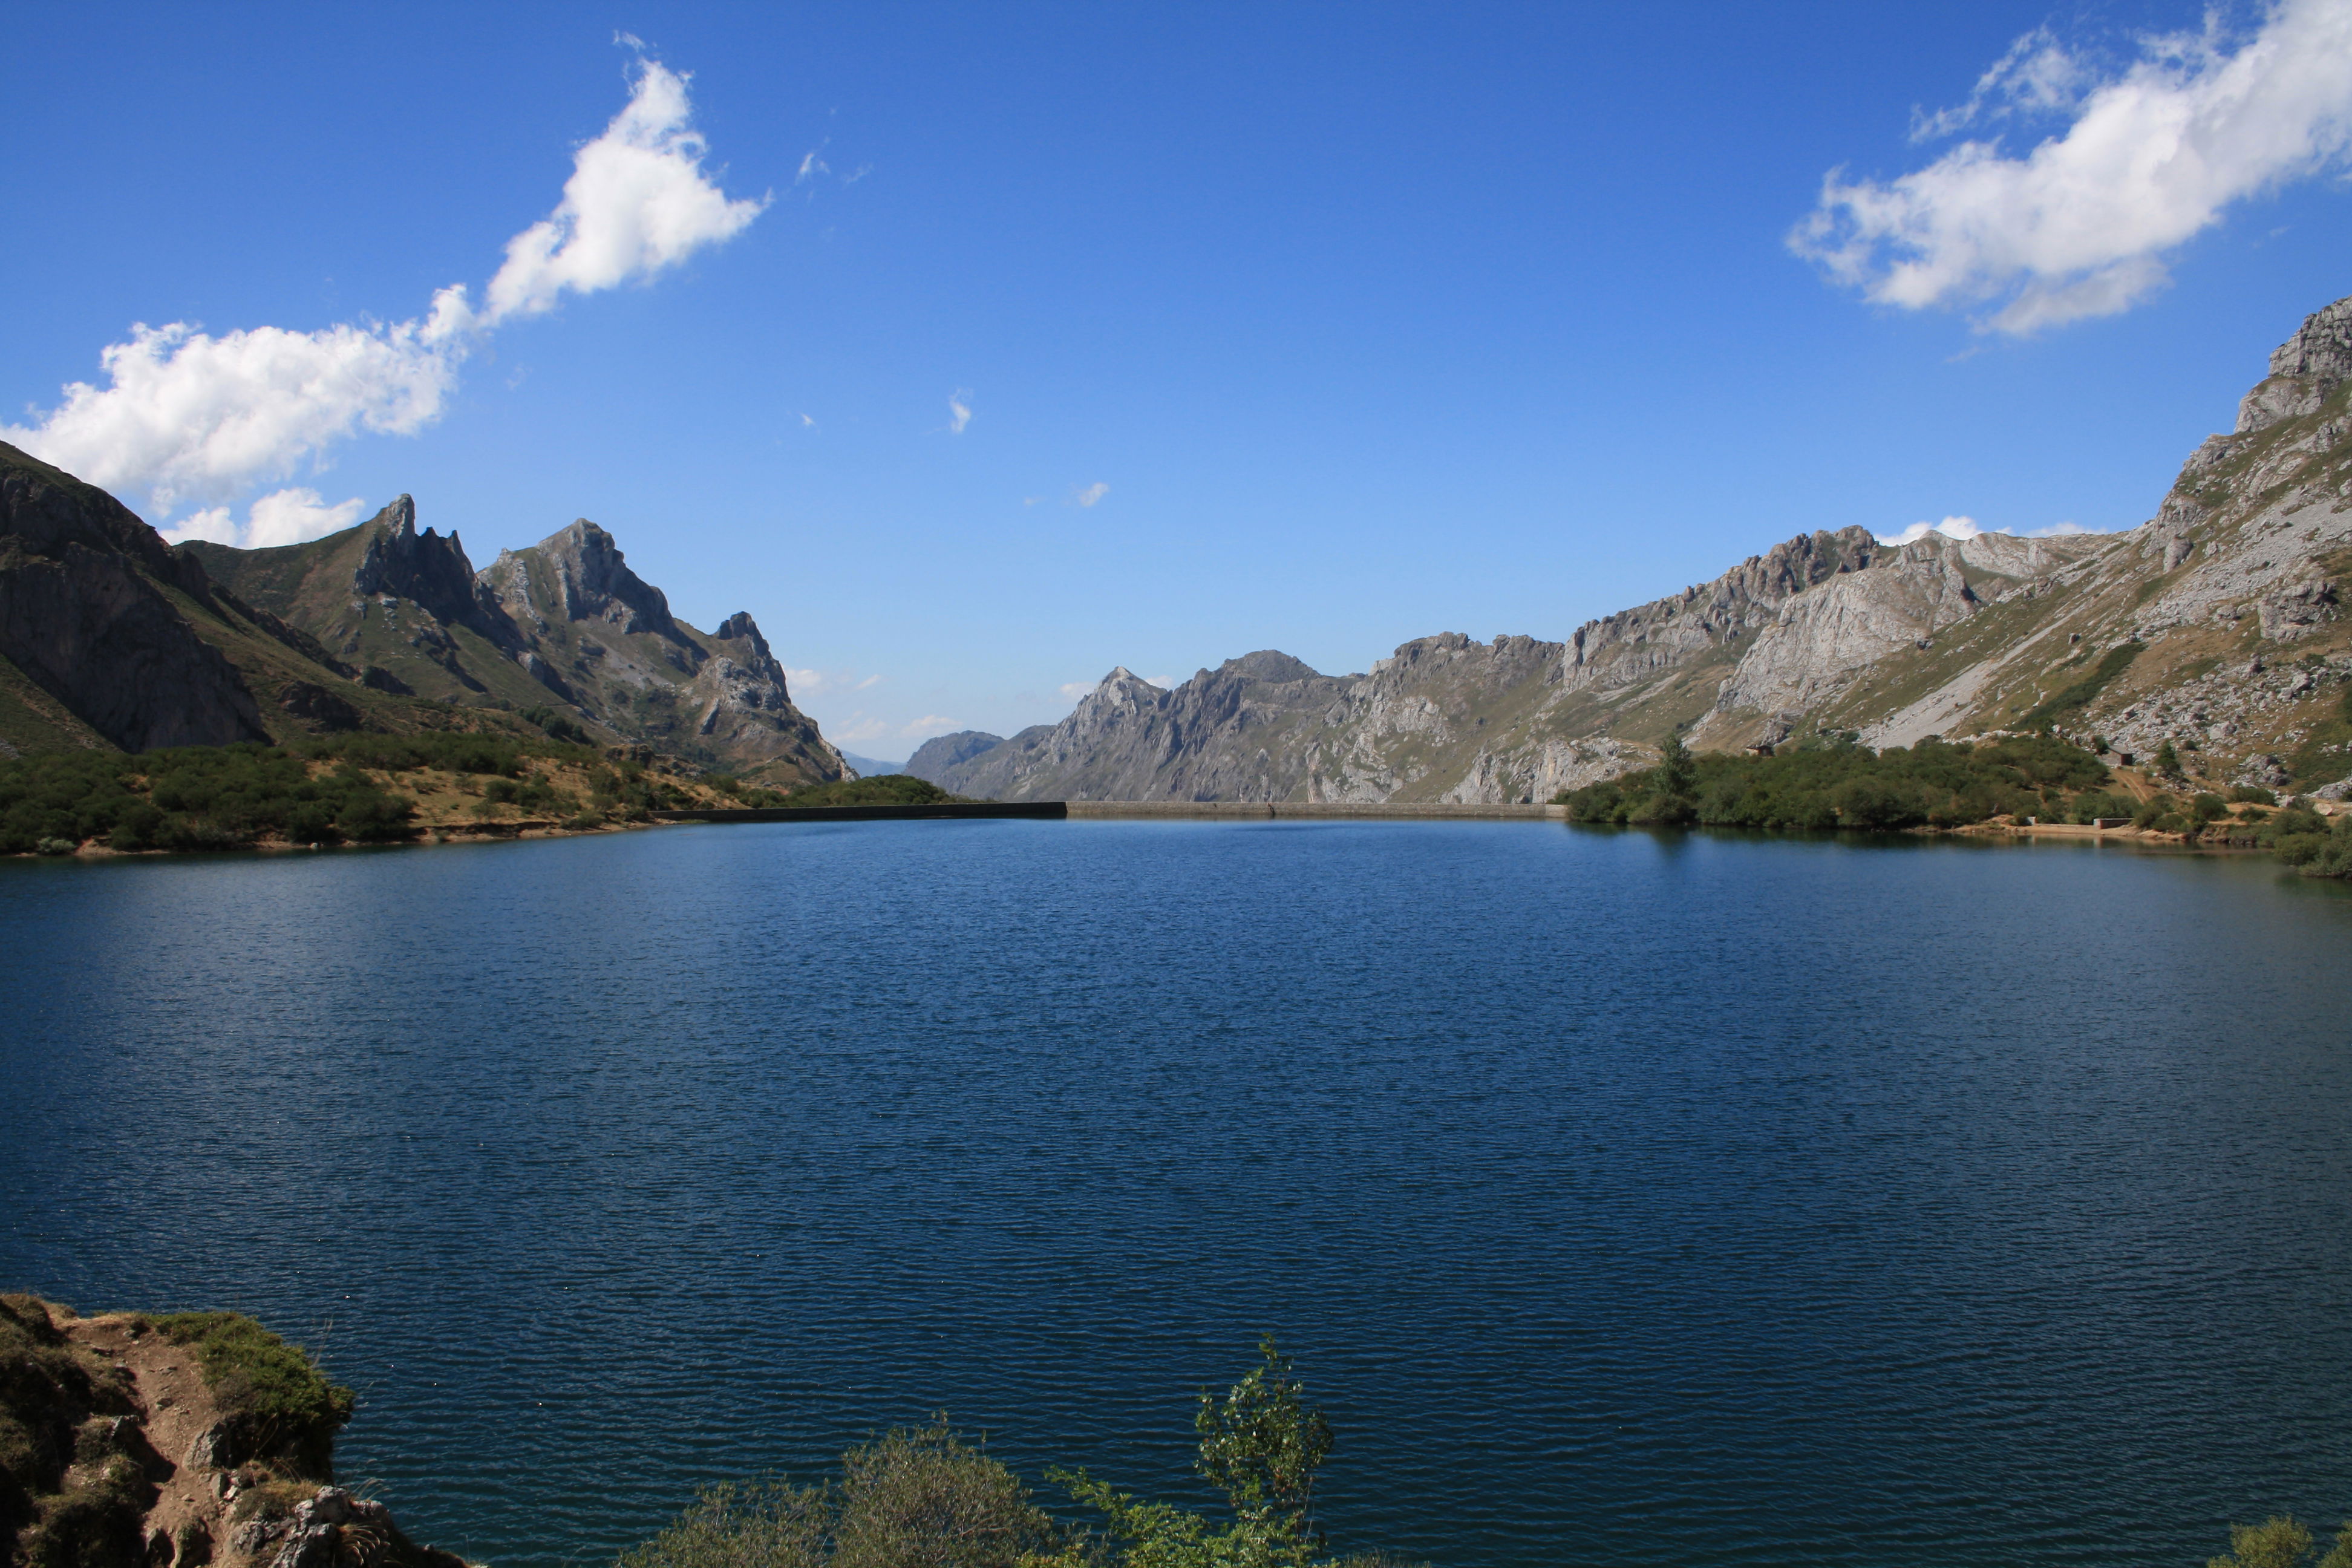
188,417
811,167
638,203
1966,528
1950,528
805,680
2080,226
959,409
1092,493
1074,690
2036,76
1165,682
930,724
281,517
862,730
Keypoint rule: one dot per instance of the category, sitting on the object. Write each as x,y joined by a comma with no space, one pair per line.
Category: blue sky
1305,327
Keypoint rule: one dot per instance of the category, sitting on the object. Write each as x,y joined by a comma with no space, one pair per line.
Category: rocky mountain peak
431,570
742,625
594,582
2304,369
1272,664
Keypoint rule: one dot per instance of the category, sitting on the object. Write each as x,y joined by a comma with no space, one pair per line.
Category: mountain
871,767
563,625
110,638
2217,627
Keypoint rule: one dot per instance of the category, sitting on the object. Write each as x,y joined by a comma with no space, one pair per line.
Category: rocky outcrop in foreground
139,1443
2218,628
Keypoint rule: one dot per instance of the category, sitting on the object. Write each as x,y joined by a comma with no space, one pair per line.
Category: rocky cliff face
595,634
564,624
2219,626
109,636
1444,719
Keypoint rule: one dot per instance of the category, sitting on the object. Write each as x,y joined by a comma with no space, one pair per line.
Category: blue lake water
1697,1199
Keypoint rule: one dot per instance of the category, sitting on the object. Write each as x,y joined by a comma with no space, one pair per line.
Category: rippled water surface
1625,1198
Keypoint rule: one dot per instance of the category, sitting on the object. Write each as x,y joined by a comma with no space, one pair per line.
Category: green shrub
1840,785
2253,795
884,789
192,797
922,1498
275,1402
2280,1542
2097,803
768,1525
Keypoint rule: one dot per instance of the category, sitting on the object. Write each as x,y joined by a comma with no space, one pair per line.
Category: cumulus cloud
1092,493
1950,528
959,409
1966,528
930,724
638,203
281,517
2081,225
188,417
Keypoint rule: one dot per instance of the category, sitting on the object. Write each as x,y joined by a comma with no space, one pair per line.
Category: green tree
2167,761
2280,1542
1677,774
1261,1445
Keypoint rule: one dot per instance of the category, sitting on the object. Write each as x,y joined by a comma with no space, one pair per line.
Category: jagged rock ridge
564,623
2219,625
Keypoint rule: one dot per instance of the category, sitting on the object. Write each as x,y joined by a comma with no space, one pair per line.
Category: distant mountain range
871,767
2216,627
110,638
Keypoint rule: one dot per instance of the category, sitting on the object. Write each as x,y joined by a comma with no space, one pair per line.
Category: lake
1675,1198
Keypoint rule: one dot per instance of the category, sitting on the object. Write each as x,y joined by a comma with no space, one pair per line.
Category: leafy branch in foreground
922,1498
2280,1542
1261,1445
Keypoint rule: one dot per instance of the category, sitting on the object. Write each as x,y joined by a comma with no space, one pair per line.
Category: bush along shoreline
1833,783
364,788
924,1496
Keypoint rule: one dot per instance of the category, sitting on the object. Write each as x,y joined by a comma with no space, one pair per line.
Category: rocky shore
131,1441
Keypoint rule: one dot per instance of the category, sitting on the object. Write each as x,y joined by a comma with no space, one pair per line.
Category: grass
2078,696
277,1405
55,1404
